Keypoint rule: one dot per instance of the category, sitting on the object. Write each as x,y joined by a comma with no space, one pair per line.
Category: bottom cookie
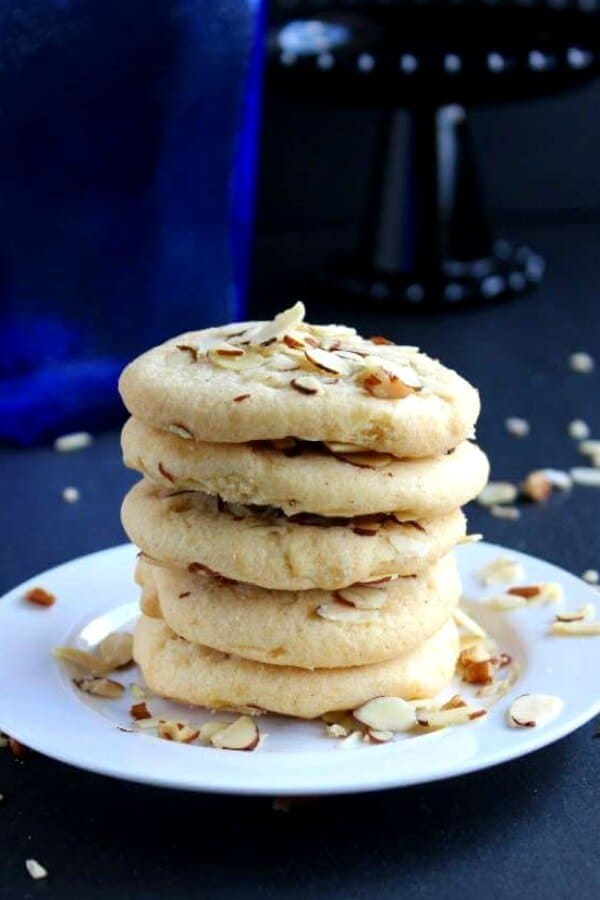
192,673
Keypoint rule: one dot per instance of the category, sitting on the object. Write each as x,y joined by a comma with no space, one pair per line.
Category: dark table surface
528,828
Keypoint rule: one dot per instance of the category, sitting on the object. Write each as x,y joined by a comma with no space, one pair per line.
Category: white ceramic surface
96,595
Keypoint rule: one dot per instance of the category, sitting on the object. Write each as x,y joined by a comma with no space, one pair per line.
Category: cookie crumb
71,495
77,440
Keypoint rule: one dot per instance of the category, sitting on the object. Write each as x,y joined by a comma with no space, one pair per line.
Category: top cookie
266,380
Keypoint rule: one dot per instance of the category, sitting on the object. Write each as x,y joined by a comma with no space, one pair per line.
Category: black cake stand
425,238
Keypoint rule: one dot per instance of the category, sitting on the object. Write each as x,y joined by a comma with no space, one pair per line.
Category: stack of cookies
299,506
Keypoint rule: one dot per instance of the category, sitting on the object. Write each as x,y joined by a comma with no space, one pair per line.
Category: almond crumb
40,597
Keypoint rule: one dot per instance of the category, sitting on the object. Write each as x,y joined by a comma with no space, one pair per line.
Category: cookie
303,477
261,546
191,673
308,629
257,381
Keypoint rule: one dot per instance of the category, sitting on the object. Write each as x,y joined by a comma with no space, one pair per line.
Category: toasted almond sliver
502,570
180,732
306,384
577,615
367,460
116,650
575,629
498,493
386,714
100,687
363,598
465,621
243,734
455,702
81,658
531,710
283,323
586,476
327,362
236,363
443,718
340,612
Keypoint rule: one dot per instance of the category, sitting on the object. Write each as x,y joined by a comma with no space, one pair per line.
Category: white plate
96,594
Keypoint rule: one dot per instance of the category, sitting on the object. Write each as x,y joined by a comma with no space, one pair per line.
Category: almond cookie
259,545
310,629
301,477
191,673
263,380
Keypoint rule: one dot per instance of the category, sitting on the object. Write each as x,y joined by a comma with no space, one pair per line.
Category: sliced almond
40,597
443,718
498,493
531,710
499,687
180,732
386,714
340,612
537,487
306,384
282,363
455,702
575,629
243,734
180,431
238,362
283,323
328,362
577,615
502,570
140,711
340,447
388,382
116,650
586,476
363,598
469,624
367,460
380,737
81,658
527,591
100,687
209,729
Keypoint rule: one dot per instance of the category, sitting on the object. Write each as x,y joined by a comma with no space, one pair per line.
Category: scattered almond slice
586,476
139,711
575,629
443,718
544,592
503,570
465,621
499,687
238,362
497,493
537,486
380,737
363,598
386,381
282,363
40,597
209,729
341,612
511,513
386,714
577,615
77,440
180,732
531,710
325,361
81,658
35,869
116,650
306,384
243,734
99,687
284,322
